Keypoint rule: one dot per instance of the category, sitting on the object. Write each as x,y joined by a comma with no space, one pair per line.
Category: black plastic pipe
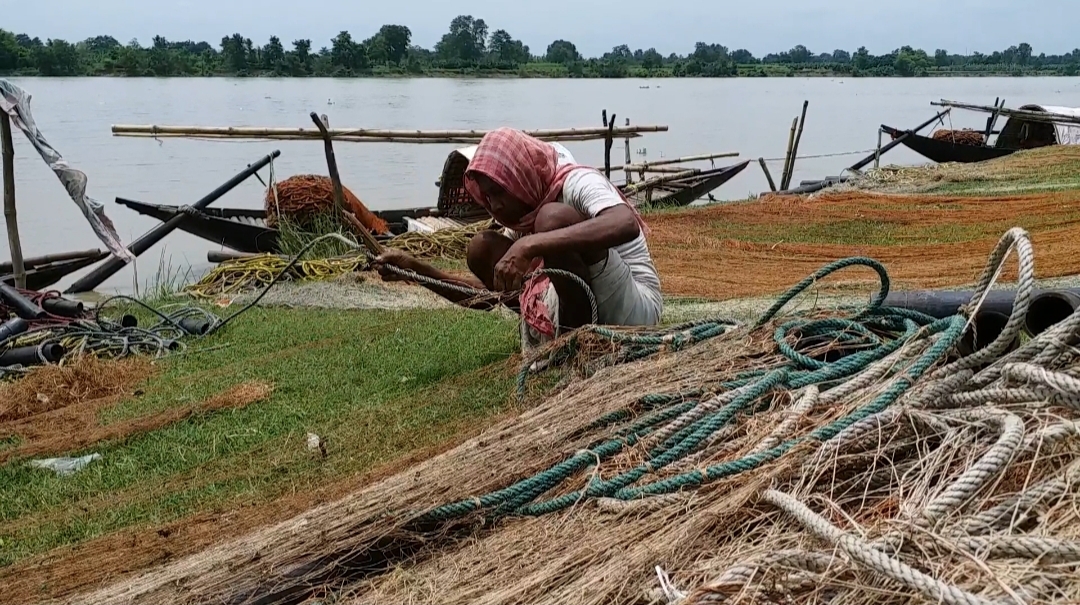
1048,308
63,307
137,247
23,307
984,330
32,356
13,327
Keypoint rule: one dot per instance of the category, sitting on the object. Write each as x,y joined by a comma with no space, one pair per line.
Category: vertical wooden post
787,156
795,147
626,141
14,243
607,142
768,176
877,152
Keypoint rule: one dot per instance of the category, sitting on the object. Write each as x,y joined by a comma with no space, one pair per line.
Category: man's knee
485,249
556,216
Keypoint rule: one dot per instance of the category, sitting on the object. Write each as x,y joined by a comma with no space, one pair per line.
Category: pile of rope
304,197
103,336
828,457
451,244
242,275
960,137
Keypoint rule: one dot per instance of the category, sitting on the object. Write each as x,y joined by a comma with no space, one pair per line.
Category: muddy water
751,116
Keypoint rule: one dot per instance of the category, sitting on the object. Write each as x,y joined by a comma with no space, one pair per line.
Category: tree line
469,48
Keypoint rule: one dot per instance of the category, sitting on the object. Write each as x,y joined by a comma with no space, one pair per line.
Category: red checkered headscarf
527,168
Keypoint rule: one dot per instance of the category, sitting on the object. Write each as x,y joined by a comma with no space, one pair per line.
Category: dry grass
761,247
56,387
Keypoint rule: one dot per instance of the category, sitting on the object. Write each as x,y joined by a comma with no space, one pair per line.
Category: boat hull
945,151
687,190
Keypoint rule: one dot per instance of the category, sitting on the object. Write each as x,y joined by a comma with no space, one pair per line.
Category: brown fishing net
960,137
304,196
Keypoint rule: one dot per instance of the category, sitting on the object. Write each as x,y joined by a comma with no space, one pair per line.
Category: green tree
465,42
9,51
346,55
799,54
561,51
506,50
651,59
743,57
234,52
862,58
300,59
273,57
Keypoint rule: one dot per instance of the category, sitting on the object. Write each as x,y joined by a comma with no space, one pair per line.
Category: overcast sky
595,26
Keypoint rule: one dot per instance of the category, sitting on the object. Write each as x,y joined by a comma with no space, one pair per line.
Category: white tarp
15,102
1067,134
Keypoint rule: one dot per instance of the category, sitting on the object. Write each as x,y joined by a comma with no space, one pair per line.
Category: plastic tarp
1067,134
15,102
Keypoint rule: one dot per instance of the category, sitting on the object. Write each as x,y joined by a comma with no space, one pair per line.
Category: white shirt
590,193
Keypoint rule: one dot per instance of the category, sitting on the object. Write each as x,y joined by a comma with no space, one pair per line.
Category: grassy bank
373,385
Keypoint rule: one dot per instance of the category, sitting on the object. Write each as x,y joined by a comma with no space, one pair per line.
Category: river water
751,116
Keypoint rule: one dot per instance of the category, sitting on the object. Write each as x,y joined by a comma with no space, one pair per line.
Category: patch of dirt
76,427
55,387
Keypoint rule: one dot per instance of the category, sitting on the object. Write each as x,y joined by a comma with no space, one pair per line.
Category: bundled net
960,137
303,198
450,244
841,458
242,275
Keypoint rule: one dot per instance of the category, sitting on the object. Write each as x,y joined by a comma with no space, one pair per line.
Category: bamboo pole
768,176
14,243
350,139
787,156
650,183
795,147
688,158
243,131
339,195
626,147
1027,114
30,263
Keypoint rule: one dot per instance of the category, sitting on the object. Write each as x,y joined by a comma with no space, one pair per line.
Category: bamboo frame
10,215
689,158
1033,116
345,139
340,133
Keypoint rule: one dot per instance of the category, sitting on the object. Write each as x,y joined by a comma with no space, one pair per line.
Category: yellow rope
235,276
445,243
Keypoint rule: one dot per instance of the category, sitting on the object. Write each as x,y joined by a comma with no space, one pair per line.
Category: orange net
304,196
960,137
761,247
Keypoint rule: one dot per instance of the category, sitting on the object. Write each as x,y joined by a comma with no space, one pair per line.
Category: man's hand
511,269
395,258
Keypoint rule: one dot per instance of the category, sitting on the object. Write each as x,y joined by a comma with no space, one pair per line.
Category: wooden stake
14,243
339,195
626,143
768,176
787,156
795,147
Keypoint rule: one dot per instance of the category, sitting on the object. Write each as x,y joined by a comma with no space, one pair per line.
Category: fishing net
960,137
449,244
304,197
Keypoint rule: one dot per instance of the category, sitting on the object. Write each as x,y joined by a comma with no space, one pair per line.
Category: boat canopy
1020,133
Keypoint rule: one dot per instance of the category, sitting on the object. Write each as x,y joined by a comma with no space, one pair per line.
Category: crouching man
558,215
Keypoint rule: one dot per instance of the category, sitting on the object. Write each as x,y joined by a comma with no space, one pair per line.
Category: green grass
292,237
375,385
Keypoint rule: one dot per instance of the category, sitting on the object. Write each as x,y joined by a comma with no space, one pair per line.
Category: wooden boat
39,276
941,151
246,230
1017,134
686,190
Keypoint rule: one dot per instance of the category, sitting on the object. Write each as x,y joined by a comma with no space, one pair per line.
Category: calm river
751,116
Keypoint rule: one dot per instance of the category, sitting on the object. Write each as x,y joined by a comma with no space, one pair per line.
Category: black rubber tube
63,307
1048,308
23,307
13,327
32,356
945,303
986,328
